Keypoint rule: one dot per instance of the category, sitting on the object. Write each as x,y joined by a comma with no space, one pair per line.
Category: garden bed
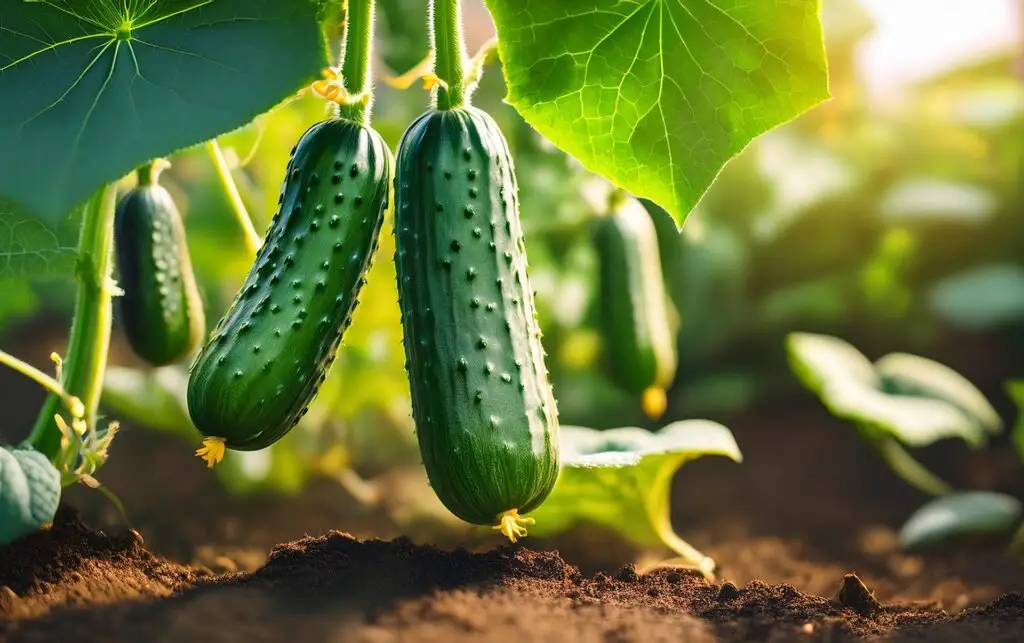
790,528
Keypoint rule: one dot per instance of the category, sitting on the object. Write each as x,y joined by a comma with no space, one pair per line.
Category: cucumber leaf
29,492
900,400
657,96
961,515
93,88
907,374
822,360
621,479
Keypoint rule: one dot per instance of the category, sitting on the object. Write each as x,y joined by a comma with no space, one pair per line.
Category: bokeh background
890,216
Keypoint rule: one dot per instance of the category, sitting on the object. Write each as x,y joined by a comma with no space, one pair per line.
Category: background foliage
896,229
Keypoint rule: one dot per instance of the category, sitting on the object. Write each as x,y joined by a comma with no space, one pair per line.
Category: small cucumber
275,345
485,413
161,309
635,310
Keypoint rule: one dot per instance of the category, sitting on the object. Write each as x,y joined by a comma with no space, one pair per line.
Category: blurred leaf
923,199
960,515
153,398
595,79
906,374
621,478
820,361
93,89
981,298
852,389
29,492
914,421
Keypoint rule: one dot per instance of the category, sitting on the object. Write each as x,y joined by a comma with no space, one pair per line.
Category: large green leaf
93,88
621,479
656,95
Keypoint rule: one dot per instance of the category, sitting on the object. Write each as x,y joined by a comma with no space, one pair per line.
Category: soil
803,531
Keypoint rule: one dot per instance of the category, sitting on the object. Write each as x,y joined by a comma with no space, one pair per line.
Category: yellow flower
212,451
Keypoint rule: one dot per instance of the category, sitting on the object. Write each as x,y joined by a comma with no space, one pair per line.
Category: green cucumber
635,316
274,347
161,310
485,413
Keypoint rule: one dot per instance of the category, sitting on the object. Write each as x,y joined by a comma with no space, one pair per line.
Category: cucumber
161,310
637,326
485,414
266,359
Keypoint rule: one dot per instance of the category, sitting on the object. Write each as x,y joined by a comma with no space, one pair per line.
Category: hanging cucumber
161,310
274,347
635,309
485,414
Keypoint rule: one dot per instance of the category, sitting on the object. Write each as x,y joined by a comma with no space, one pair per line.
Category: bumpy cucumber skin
634,304
485,413
161,309
274,347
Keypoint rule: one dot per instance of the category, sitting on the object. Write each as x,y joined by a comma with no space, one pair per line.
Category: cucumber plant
209,67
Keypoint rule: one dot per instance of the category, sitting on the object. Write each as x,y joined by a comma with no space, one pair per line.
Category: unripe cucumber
485,413
635,310
275,345
161,310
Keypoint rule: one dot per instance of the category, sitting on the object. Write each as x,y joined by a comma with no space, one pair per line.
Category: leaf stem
356,56
905,466
253,241
86,360
449,53
41,378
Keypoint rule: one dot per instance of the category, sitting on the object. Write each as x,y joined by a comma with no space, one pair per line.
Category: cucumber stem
90,331
356,56
73,404
149,173
253,241
449,53
905,466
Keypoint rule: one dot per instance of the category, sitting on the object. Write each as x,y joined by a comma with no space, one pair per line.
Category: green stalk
41,378
86,360
356,53
905,466
253,241
449,53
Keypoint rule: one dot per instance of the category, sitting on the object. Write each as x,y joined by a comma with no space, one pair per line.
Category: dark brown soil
804,532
